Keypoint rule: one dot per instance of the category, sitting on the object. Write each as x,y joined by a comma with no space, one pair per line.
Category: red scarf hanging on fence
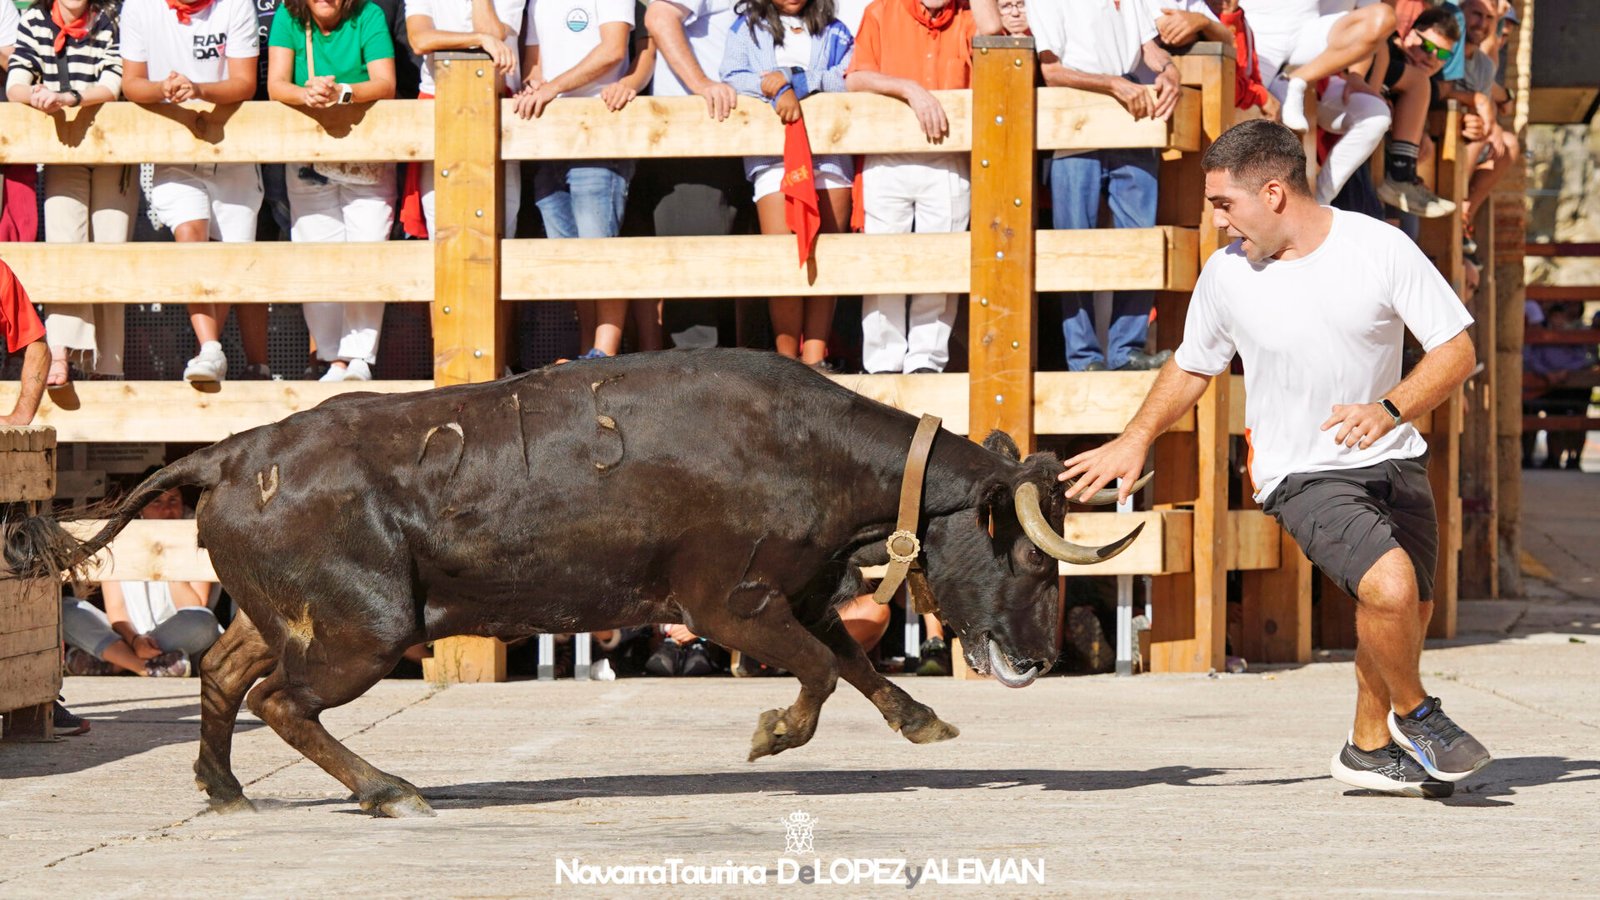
186,11
19,218
77,29
800,209
1248,90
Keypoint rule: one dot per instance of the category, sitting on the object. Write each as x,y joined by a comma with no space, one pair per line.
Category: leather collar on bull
903,546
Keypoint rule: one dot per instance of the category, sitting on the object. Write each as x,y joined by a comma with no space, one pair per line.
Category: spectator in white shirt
174,52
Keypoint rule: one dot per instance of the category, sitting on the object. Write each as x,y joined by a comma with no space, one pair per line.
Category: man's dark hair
1439,19
1259,151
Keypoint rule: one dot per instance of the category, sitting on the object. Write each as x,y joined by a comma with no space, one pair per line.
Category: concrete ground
1175,785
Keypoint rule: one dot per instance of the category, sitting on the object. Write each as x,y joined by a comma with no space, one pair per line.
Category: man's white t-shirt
566,30
1094,36
1313,332
456,15
707,28
9,19
200,50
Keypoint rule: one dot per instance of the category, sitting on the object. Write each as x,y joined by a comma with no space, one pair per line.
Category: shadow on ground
1505,776
113,735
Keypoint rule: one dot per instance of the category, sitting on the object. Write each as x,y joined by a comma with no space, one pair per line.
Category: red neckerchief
1248,89
186,11
799,188
77,29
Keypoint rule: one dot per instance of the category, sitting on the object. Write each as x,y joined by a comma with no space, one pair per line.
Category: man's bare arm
1174,393
35,360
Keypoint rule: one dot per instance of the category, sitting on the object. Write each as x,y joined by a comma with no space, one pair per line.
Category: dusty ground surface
1122,787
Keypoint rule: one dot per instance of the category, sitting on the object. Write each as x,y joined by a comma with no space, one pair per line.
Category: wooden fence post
1189,626
468,323
1003,316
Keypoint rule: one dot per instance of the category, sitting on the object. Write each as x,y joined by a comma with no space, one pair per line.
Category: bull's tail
38,547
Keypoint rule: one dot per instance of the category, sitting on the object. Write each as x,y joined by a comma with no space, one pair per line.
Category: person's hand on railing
322,91
788,107
176,88
1133,97
533,98
1179,28
930,114
720,98
617,95
1168,89
773,82
46,100
505,59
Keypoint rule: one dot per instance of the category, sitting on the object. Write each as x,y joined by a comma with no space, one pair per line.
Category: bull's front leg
766,629
916,722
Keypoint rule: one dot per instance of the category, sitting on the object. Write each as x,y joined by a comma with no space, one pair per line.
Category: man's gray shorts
1345,520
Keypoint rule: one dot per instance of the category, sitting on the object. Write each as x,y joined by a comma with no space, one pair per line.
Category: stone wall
1564,198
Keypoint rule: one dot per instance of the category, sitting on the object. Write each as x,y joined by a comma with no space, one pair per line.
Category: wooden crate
30,610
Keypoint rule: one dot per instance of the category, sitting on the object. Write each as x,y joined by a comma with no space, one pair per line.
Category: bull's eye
1035,556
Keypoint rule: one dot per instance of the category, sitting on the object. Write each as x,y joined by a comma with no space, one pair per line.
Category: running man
1315,301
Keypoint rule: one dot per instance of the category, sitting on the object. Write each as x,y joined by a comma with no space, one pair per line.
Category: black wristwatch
1392,410
77,98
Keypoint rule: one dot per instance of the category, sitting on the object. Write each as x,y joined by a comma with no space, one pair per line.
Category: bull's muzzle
1038,530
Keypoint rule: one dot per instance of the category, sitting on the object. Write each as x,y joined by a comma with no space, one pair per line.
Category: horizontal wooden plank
1163,548
1561,423
45,639
175,411
29,680
29,603
1534,334
27,475
848,123
123,132
764,266
1564,248
1585,378
148,550
1563,293
1092,402
214,272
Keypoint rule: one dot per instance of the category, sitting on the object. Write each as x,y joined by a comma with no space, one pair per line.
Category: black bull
736,492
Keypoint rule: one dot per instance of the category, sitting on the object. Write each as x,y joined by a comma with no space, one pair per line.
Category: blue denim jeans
582,199
1127,178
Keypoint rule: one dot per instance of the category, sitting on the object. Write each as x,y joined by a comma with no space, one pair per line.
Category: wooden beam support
1003,316
468,318
1480,546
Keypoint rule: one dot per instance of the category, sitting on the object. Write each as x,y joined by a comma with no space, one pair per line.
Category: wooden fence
1192,538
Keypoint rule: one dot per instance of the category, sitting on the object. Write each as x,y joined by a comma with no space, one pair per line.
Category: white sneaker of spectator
210,365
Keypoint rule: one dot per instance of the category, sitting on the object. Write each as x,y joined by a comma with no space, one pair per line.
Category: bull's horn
1038,530
1108,496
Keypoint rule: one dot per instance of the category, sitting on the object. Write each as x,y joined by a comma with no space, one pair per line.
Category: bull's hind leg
312,678
919,724
232,664
772,635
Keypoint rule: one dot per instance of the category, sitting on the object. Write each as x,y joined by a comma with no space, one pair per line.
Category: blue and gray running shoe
1439,744
1388,770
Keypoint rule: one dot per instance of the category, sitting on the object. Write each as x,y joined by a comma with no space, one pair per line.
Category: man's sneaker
334,373
1415,198
935,657
171,664
1437,742
595,353
1387,769
696,660
664,662
357,370
210,365
257,372
66,723
82,662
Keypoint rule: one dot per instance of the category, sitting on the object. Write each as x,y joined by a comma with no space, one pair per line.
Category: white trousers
84,203
1361,119
512,205
902,194
1297,46
334,213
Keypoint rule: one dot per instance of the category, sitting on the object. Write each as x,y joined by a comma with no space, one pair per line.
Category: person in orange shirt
24,333
907,49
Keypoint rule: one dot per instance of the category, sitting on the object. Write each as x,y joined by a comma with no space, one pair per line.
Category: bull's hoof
771,737
398,804
930,732
230,805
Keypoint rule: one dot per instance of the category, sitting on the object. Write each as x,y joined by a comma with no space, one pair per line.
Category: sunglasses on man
1443,54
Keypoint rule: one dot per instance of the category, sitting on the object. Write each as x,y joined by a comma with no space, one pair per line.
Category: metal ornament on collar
903,546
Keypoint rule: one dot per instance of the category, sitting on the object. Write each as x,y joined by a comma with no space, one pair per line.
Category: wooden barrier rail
1194,539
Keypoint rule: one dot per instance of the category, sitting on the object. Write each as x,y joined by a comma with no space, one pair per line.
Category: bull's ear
1001,443
994,494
